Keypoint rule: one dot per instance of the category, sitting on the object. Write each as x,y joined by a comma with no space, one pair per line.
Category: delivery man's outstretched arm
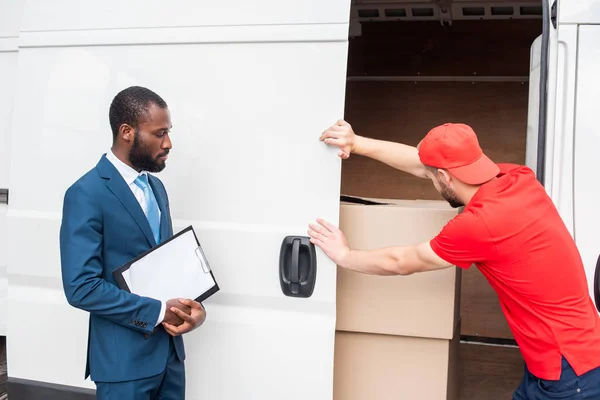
464,240
396,260
402,157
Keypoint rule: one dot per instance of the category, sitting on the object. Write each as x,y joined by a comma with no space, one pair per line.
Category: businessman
113,213
512,232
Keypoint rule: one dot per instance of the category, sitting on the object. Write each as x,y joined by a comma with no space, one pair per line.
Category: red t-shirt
513,233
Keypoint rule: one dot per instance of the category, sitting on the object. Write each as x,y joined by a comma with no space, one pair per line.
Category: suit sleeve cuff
161,316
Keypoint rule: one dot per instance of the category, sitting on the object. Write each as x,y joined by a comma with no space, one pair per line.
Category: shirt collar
502,181
129,174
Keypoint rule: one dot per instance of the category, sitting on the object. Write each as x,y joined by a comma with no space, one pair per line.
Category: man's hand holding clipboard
190,321
174,272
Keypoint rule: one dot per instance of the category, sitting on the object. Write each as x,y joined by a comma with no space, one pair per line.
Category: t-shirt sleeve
464,240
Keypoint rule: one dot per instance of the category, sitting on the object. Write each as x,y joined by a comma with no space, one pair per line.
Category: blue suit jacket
103,227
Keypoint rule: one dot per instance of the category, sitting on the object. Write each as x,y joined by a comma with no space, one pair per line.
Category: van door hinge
553,14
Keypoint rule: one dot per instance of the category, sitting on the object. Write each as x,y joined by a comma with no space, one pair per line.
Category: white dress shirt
130,175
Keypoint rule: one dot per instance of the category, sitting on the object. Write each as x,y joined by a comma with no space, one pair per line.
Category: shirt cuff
161,316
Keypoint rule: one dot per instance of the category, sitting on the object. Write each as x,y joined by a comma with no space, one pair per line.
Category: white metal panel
246,170
587,149
562,59
187,35
533,104
8,73
10,17
561,116
43,15
9,31
579,12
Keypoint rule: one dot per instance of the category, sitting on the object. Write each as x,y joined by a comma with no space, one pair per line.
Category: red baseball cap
455,148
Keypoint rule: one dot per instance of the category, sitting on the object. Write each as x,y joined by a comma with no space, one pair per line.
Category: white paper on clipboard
176,269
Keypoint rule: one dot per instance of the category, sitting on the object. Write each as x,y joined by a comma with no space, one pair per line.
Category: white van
250,85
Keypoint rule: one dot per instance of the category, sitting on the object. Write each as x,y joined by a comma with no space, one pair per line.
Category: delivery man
512,232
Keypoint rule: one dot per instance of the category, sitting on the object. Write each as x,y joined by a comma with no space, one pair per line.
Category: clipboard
175,268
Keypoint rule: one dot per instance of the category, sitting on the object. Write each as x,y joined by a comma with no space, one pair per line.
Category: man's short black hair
130,106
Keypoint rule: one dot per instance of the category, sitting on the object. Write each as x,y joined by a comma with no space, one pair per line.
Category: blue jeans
569,386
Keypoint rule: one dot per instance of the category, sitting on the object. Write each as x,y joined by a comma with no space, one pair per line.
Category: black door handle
297,266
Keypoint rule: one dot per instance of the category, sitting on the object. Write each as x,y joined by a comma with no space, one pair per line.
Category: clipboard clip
202,258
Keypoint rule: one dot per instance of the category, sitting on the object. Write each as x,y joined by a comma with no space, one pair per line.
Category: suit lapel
162,205
117,185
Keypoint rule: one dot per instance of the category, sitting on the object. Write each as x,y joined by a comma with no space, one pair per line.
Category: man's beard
451,197
140,157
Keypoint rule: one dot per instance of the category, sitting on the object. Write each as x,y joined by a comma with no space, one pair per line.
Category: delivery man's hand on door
342,136
330,239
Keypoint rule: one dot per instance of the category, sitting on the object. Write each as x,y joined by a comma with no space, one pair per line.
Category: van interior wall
405,111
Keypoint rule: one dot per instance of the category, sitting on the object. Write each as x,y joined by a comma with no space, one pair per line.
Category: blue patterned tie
151,206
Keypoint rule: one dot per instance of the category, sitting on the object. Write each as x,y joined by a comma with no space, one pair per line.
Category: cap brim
477,172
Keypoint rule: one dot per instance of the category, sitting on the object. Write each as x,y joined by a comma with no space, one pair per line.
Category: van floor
489,372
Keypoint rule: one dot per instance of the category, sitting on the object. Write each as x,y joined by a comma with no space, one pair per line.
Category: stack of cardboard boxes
396,337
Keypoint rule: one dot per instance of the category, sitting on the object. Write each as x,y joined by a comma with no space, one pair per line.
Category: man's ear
444,177
126,132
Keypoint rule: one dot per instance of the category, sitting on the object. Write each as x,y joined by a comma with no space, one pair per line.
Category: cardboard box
385,367
422,305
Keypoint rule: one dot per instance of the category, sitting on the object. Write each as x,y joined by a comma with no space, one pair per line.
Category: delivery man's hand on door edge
342,136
